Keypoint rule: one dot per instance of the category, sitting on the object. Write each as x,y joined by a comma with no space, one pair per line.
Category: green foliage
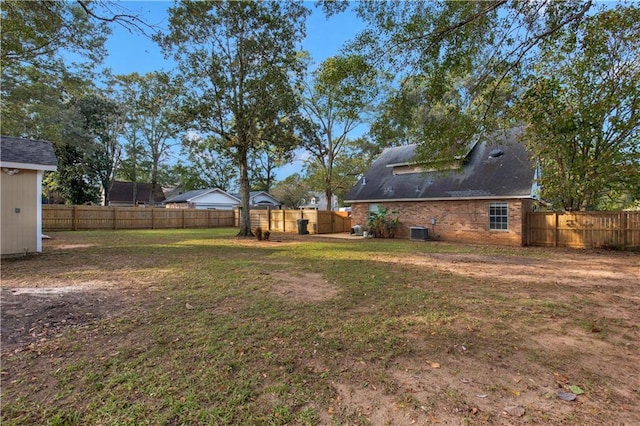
335,103
457,69
582,112
383,223
239,61
50,51
208,166
353,159
75,180
96,129
36,32
454,66
149,129
292,191
36,80
263,164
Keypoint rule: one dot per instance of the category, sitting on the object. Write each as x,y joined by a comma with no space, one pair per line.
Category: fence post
555,230
153,218
284,223
74,218
624,223
269,218
183,225
115,218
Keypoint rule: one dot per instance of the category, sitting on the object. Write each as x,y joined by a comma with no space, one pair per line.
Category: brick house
482,197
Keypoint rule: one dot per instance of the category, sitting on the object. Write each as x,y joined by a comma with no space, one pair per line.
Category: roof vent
496,153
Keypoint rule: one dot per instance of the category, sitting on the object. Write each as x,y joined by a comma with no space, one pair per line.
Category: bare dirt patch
303,287
37,314
66,289
584,269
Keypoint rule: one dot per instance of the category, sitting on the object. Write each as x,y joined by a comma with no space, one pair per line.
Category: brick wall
456,220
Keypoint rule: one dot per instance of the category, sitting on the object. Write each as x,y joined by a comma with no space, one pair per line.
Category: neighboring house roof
29,154
122,192
260,198
318,201
497,168
192,196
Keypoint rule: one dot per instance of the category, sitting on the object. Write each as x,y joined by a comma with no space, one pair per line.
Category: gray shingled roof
253,194
28,152
510,175
123,192
183,198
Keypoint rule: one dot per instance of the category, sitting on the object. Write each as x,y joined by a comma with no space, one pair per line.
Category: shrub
383,223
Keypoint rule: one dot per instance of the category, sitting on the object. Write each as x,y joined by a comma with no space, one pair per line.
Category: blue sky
135,53
130,53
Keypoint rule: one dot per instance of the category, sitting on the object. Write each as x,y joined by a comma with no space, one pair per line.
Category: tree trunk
245,213
328,193
135,194
154,182
106,188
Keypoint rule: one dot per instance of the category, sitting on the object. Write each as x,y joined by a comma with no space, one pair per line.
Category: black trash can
302,226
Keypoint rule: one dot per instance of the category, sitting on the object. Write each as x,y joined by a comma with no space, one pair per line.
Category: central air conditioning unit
419,233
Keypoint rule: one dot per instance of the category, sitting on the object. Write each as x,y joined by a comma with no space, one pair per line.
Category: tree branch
130,22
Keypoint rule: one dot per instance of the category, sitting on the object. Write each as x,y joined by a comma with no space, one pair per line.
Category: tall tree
349,164
36,80
75,180
335,103
149,128
207,166
456,61
583,111
293,191
49,48
39,78
35,33
263,165
101,122
239,59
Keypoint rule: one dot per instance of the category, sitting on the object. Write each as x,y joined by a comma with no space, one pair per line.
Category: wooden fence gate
320,221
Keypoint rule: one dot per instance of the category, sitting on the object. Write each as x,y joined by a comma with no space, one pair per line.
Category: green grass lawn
212,329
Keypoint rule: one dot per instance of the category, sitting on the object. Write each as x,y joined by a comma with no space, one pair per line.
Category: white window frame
499,216
373,208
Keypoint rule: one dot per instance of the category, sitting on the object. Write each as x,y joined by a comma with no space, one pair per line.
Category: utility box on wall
419,233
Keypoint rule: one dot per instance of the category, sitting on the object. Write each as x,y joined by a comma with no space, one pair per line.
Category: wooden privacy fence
67,218
320,221
72,218
584,229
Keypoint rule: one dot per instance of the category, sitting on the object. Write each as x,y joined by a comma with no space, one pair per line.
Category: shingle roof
123,192
29,152
253,194
185,197
508,175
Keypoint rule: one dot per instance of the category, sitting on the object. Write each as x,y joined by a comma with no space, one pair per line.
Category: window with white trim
498,216
373,208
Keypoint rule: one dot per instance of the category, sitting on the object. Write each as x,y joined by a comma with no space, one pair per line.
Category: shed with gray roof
23,163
